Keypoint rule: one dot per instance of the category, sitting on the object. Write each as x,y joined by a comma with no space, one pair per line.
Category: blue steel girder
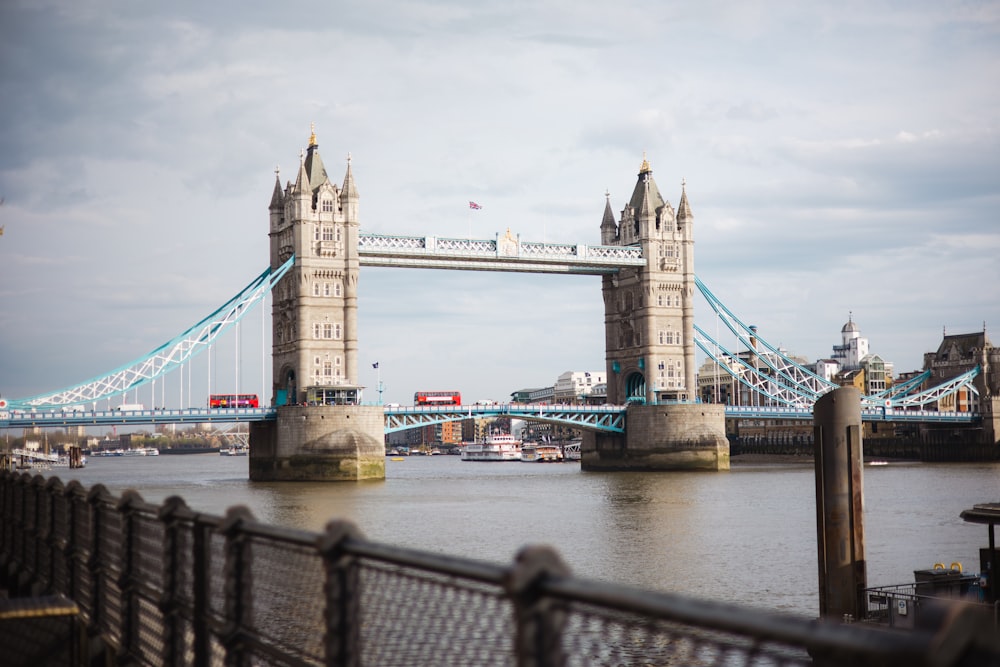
935,394
904,388
789,379
166,357
603,418
774,388
784,370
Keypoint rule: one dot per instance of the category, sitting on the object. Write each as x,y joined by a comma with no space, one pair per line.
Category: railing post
127,579
238,598
342,641
97,496
73,493
54,542
540,620
169,603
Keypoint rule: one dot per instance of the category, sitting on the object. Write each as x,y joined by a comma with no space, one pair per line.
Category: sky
840,161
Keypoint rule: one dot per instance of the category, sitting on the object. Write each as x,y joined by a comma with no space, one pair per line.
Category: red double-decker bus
233,401
437,398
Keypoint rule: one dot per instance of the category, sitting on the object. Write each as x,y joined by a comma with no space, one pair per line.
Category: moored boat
540,452
235,450
903,606
495,447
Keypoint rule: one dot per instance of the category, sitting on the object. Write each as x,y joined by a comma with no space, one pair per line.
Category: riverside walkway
164,585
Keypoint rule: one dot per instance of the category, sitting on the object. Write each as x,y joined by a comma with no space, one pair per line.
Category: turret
349,196
609,228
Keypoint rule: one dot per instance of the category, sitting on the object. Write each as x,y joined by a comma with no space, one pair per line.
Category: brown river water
746,536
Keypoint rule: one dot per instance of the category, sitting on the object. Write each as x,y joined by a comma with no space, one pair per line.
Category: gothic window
315,289
326,289
328,206
337,234
317,330
327,233
327,369
327,330
316,233
337,331
336,289
659,300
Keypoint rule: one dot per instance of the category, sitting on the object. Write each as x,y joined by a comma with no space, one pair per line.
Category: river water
746,536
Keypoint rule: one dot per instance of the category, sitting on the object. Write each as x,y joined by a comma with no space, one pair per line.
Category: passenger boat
495,447
541,452
235,450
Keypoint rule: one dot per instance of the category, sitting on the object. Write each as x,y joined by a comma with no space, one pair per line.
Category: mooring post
840,504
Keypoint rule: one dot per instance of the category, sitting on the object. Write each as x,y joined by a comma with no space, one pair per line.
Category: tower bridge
645,259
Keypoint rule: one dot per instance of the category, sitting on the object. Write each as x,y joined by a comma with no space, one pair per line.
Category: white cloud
836,160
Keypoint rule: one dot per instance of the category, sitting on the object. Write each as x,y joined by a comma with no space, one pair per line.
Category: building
852,347
854,365
576,386
649,311
958,354
314,306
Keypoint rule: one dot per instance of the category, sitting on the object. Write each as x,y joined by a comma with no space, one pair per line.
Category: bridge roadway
603,418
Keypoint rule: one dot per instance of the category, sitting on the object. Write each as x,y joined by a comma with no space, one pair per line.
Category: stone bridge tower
322,431
315,306
649,338
648,311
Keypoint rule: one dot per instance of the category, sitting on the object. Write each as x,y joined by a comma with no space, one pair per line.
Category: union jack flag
474,205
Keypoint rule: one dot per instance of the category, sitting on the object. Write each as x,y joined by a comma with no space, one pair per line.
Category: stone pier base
319,443
662,437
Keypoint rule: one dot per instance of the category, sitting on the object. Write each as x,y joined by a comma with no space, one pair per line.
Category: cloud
836,160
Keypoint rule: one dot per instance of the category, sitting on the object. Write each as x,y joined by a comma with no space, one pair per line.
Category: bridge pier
683,436
326,443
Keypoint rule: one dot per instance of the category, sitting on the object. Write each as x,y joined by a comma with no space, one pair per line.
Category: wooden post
840,504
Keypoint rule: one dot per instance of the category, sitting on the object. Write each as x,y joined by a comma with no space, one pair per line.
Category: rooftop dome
850,327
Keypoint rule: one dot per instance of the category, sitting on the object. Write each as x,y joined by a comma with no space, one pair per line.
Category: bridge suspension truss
775,377
165,358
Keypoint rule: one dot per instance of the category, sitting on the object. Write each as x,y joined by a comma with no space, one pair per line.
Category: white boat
541,452
235,450
141,451
496,447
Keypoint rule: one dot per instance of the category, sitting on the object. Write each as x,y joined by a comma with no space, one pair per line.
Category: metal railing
166,585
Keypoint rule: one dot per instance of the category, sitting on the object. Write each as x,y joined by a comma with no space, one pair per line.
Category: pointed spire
646,198
349,189
683,207
644,168
609,228
314,163
277,197
302,179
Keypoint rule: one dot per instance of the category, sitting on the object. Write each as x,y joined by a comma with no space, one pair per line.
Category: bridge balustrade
168,585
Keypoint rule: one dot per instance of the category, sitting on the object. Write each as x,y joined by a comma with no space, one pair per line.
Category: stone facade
319,443
649,311
688,436
958,354
315,337
314,314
